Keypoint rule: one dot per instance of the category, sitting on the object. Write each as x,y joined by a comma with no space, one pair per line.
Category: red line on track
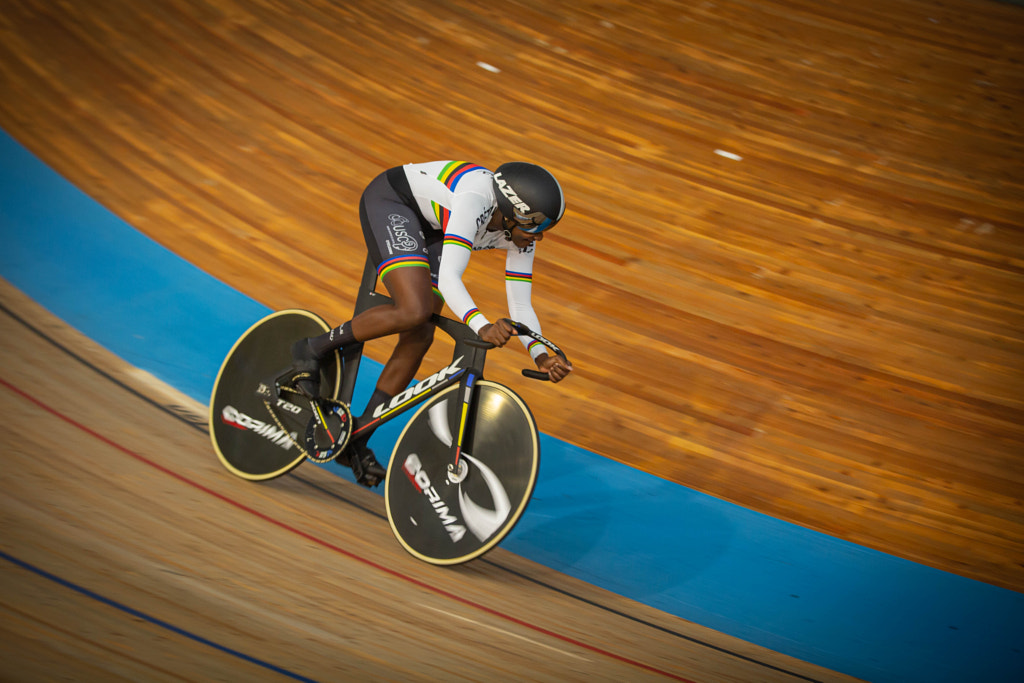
319,541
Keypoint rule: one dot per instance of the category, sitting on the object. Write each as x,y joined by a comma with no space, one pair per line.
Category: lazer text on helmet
510,194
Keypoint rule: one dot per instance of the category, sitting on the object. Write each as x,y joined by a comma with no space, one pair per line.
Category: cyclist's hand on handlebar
556,368
496,333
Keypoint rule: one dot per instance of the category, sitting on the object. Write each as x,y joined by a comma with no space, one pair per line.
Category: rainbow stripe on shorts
405,261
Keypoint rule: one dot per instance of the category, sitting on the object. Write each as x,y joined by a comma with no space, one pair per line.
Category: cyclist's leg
406,287
414,343
396,240
407,356
412,303
396,243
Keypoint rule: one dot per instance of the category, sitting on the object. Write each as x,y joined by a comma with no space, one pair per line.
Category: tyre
254,433
444,517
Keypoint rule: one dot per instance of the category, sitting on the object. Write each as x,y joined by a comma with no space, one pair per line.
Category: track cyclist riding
421,223
464,467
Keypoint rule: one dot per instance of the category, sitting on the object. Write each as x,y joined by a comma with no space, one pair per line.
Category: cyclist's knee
421,336
412,297
410,316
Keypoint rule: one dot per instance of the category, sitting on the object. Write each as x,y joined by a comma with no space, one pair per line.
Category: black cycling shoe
365,467
307,368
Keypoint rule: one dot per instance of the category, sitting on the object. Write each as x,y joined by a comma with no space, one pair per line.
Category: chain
280,426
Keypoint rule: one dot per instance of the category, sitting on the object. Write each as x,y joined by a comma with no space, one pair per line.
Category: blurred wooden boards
828,330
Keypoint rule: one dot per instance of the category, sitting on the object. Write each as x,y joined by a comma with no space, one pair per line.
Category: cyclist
421,223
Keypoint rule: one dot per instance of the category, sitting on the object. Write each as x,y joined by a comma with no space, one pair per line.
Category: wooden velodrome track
829,329
166,569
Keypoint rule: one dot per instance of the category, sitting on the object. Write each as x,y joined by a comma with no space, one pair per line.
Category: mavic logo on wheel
419,388
413,469
232,417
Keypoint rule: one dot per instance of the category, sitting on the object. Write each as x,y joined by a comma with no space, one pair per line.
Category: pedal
367,470
297,383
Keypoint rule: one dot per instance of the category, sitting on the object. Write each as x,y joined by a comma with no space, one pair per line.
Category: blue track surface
802,593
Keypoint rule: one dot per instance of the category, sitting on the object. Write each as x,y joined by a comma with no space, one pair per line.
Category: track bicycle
463,469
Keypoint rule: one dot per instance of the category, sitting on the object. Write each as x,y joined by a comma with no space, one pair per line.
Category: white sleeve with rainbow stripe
519,289
460,230
454,259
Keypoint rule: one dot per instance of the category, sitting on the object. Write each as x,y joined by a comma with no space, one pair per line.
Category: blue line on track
153,620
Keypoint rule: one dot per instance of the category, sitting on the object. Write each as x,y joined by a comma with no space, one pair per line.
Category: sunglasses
532,223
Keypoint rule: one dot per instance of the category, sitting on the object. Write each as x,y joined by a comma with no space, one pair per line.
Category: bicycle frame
466,368
478,434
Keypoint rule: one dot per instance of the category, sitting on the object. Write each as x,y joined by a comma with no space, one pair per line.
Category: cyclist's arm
519,290
519,287
468,211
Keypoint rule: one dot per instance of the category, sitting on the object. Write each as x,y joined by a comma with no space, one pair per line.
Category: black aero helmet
528,195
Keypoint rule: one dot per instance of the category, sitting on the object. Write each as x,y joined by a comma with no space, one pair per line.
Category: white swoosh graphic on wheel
438,415
481,521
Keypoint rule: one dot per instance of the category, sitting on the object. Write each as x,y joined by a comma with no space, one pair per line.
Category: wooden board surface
827,330
130,553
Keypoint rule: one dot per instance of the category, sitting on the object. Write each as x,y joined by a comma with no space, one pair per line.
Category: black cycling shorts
396,234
